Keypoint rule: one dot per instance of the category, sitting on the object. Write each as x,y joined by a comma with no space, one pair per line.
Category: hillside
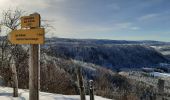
97,59
110,54
164,49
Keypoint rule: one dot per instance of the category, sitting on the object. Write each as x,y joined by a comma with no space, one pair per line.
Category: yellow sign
30,21
31,36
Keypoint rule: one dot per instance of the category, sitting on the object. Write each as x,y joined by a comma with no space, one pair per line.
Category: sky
101,19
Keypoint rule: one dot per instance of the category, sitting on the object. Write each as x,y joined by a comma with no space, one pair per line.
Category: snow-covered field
6,94
158,74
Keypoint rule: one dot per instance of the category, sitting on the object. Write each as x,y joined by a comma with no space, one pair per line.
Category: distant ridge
108,53
105,41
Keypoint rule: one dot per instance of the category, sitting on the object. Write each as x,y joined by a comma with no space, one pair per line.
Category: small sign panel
31,36
30,21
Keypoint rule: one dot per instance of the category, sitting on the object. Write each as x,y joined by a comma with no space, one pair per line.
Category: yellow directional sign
30,21
31,36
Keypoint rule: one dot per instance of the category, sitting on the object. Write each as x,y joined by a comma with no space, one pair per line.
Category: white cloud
72,28
25,4
148,17
126,26
123,25
135,28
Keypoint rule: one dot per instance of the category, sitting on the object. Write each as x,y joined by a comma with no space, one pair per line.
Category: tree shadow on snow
6,94
65,98
22,98
10,95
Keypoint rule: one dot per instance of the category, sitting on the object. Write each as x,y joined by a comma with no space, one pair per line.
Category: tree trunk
81,85
14,78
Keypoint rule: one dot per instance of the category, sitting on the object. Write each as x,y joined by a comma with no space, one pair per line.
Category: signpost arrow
28,36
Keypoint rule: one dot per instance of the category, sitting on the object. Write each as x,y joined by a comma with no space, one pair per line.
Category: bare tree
10,21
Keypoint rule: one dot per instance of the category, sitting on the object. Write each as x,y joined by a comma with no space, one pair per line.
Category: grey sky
106,19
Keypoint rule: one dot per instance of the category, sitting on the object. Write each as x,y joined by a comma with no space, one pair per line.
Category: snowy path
6,94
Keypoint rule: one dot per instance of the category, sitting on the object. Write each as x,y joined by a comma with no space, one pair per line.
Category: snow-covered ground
165,76
6,94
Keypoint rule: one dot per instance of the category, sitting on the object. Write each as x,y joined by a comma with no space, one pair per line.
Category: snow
160,74
6,94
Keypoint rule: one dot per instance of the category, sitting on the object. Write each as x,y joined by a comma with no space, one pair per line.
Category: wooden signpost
31,33
30,21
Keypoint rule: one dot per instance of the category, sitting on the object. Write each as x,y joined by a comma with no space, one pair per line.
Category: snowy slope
6,94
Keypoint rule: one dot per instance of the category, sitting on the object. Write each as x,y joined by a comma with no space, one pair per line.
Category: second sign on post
30,21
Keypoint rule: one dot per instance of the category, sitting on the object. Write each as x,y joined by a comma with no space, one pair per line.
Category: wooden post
14,78
34,70
81,85
91,90
161,84
34,73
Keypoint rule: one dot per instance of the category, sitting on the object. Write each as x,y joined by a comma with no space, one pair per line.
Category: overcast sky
102,19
